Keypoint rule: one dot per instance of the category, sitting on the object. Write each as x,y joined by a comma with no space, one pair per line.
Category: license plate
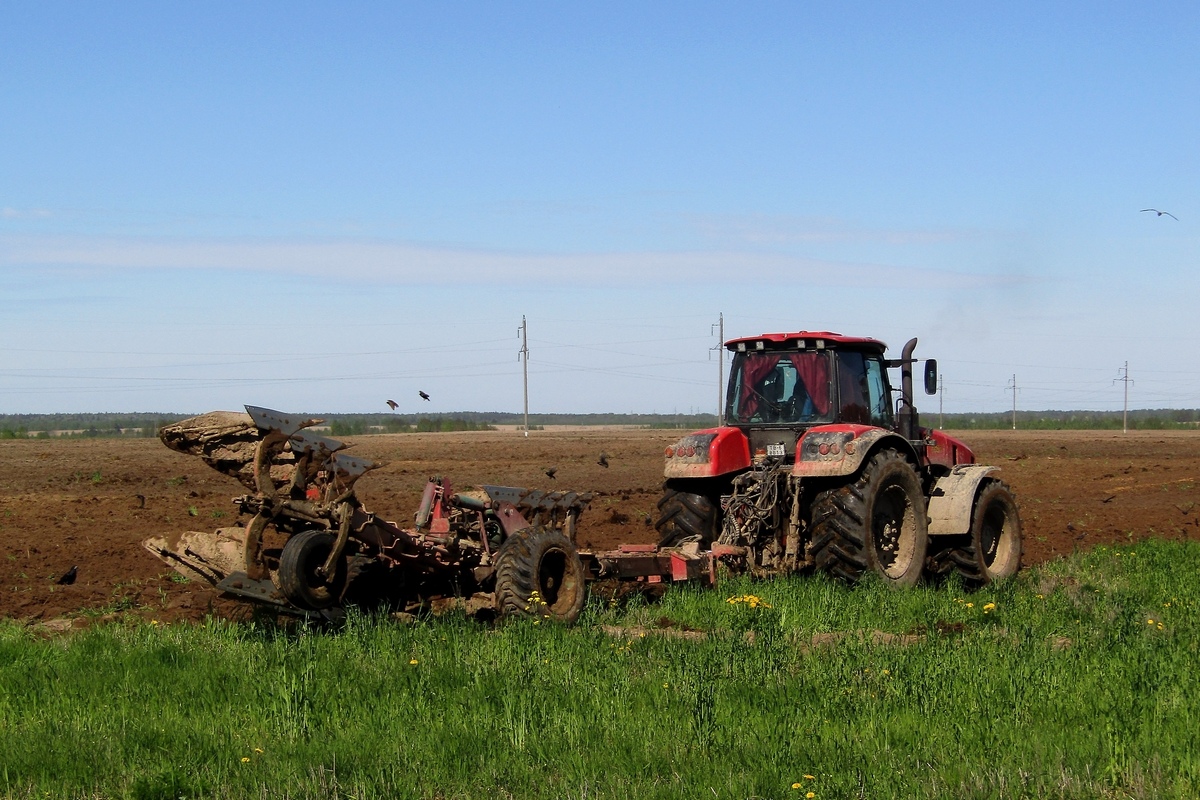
776,450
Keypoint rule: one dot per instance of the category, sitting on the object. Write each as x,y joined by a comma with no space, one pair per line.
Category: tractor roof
817,339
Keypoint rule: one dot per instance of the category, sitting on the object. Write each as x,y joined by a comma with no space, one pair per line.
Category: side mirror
931,376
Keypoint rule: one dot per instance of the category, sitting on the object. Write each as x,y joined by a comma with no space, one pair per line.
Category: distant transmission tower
523,355
1014,391
941,400
719,326
1125,379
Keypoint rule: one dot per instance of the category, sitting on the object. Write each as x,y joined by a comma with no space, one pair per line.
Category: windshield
779,387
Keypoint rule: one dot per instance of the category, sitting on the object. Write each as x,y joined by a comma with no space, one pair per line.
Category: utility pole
1125,379
523,355
1014,391
941,399
719,326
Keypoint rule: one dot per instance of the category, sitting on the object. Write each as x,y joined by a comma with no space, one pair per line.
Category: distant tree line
84,426
358,425
1141,419
133,425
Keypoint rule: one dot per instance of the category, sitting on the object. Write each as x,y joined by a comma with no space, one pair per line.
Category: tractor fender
708,453
952,499
836,450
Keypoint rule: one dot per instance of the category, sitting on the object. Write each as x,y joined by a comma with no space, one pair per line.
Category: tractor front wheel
685,516
299,575
991,552
877,523
539,574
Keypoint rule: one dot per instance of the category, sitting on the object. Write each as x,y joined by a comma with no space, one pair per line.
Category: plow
309,545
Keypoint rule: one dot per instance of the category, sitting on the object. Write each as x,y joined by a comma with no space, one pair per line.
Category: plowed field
89,503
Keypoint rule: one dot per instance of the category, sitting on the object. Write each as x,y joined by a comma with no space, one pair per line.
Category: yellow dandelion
258,750
989,606
811,795
811,777
887,672
1149,622
1041,597
412,661
795,786
970,605
245,759
1160,627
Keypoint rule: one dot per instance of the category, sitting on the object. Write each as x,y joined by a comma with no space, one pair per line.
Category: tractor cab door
864,397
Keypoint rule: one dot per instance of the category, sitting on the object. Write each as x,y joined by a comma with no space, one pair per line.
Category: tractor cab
783,384
806,379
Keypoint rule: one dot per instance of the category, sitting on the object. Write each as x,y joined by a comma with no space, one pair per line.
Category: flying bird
423,395
550,471
392,404
603,460
1160,213
68,577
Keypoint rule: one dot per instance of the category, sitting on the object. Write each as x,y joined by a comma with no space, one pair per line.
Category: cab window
862,390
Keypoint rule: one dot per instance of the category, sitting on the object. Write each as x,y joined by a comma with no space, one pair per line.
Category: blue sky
320,207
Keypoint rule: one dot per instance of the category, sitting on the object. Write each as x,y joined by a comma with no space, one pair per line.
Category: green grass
1061,689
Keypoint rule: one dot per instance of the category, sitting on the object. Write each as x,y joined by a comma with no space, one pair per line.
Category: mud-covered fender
952,499
707,453
835,450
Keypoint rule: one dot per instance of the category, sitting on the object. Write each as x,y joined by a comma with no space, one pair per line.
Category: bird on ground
392,404
603,460
423,395
550,472
68,577
1160,213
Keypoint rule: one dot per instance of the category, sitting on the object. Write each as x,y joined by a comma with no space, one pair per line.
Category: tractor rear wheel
539,574
685,516
991,552
299,575
877,523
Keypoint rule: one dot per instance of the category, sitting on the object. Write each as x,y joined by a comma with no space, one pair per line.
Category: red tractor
818,465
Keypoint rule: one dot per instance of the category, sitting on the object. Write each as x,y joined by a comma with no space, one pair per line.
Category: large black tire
992,551
686,516
876,523
539,574
298,576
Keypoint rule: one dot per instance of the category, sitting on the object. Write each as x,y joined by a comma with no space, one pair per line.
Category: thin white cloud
9,212
783,229
409,264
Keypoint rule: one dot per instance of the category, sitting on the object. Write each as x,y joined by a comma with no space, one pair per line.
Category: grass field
1078,679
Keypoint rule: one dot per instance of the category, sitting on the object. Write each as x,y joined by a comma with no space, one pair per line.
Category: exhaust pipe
908,412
